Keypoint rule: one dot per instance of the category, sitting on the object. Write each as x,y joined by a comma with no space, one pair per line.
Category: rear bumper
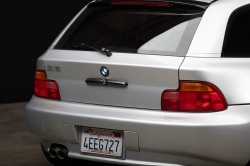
221,138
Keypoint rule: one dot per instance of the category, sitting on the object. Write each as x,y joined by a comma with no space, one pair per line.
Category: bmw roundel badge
104,71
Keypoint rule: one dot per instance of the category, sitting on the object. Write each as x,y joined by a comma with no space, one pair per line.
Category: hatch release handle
106,81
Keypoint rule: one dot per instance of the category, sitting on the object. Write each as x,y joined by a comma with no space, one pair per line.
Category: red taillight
193,96
142,3
45,88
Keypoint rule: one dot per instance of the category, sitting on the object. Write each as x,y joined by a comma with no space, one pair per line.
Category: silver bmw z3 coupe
163,83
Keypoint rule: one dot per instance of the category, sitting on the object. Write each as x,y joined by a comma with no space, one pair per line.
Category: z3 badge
52,68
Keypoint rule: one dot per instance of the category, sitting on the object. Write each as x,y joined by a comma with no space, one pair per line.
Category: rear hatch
148,44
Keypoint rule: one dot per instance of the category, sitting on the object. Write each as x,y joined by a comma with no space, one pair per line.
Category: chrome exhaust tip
53,152
62,153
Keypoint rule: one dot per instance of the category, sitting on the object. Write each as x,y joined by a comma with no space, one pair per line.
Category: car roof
207,1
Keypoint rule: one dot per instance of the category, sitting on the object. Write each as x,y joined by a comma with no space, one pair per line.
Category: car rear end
159,99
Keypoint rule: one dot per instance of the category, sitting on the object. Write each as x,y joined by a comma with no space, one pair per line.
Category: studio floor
17,146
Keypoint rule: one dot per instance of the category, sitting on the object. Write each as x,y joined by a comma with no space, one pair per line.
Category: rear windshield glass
133,29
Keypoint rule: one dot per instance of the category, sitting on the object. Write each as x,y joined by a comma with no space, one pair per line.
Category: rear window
134,29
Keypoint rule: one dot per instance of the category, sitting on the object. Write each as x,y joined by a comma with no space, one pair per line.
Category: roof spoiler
195,3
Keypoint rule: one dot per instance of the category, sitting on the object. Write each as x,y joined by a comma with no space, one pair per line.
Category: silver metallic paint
230,75
206,139
208,1
131,140
209,36
203,55
71,133
147,77
39,63
46,126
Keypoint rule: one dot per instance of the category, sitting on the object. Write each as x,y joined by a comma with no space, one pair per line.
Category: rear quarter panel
230,75
209,37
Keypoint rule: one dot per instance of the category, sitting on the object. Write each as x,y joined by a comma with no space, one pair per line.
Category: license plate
108,142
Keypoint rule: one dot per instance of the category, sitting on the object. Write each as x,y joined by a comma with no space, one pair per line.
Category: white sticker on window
167,41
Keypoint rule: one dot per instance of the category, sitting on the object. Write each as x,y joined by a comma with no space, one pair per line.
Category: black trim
106,81
200,4
234,14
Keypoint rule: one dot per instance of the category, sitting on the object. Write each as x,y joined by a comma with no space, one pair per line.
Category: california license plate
108,142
